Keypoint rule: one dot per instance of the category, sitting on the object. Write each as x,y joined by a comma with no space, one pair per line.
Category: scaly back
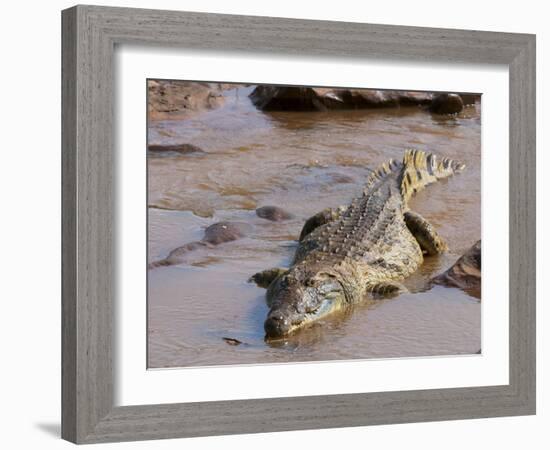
365,221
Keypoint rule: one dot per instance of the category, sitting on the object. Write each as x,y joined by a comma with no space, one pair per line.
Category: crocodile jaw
281,322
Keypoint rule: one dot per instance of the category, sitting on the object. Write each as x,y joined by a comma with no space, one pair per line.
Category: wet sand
303,162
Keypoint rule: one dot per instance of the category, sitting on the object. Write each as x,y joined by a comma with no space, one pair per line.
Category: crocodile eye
283,281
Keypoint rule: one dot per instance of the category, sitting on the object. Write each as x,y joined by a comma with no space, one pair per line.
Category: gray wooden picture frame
90,34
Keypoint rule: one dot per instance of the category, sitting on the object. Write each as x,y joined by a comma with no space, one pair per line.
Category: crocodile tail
422,168
390,167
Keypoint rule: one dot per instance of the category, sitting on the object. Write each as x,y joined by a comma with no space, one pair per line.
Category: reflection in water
303,162
316,333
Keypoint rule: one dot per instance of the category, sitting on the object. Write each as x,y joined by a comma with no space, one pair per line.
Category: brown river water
303,162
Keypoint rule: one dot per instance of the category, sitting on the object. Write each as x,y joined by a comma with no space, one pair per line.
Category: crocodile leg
265,277
321,218
424,232
386,289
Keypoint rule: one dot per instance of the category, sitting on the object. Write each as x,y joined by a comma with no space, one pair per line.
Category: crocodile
366,248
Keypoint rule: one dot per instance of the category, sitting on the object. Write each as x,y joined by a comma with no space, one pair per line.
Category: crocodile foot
266,277
386,289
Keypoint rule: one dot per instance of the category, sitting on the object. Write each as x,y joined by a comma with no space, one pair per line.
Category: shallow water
304,162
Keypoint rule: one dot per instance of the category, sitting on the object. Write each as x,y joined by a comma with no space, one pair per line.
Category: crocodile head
299,298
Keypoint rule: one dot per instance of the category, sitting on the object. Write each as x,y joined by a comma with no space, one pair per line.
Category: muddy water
303,162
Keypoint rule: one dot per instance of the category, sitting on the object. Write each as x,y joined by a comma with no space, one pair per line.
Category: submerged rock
465,273
177,255
215,234
226,232
295,98
340,178
231,341
177,148
273,213
447,104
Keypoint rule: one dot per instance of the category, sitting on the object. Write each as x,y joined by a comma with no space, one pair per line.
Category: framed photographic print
264,229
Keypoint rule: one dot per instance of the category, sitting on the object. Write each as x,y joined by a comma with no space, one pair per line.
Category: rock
282,98
174,99
470,99
226,232
273,213
465,273
177,148
358,98
446,104
415,98
294,98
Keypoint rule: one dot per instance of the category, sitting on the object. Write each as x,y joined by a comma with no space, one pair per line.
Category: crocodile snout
277,325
